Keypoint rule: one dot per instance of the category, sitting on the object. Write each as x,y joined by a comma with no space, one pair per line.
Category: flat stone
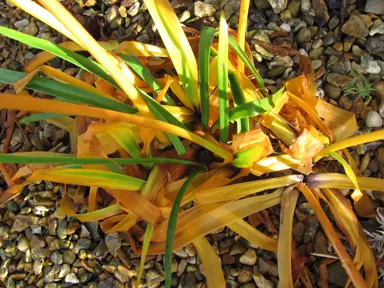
278,5
338,79
304,35
332,91
109,283
64,271
355,27
378,91
370,65
23,244
56,257
22,222
336,274
261,282
321,243
83,243
245,275
152,277
38,266
237,248
248,258
113,242
31,29
377,27
375,6
21,23
68,257
375,45
71,278
202,9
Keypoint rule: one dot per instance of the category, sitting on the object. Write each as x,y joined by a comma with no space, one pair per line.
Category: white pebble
21,23
285,27
373,120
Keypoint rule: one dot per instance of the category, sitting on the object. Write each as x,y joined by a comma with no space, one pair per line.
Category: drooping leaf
235,46
256,107
147,241
172,229
253,235
88,177
43,105
353,141
72,57
237,191
206,39
222,78
238,99
65,92
341,181
146,75
98,214
163,115
331,233
26,158
210,261
203,219
177,45
284,251
40,116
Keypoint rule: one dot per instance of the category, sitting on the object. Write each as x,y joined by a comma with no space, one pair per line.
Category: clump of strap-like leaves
157,128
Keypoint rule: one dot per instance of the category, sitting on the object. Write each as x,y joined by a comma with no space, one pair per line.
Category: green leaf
206,38
239,99
65,92
98,214
235,46
146,242
126,139
172,228
146,75
72,57
68,159
39,117
163,115
222,79
256,107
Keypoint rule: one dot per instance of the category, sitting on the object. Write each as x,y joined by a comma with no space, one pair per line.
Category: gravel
41,250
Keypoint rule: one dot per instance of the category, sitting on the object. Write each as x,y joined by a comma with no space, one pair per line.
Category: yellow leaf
237,191
253,235
211,263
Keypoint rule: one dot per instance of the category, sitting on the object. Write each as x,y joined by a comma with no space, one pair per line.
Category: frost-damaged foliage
138,137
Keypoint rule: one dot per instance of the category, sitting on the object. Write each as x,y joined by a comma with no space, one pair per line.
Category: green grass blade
256,107
222,79
162,114
126,139
146,75
177,45
68,159
65,92
172,228
146,242
98,214
206,38
72,57
239,99
40,116
235,46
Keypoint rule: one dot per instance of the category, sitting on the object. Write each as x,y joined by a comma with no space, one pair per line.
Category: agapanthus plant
137,133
